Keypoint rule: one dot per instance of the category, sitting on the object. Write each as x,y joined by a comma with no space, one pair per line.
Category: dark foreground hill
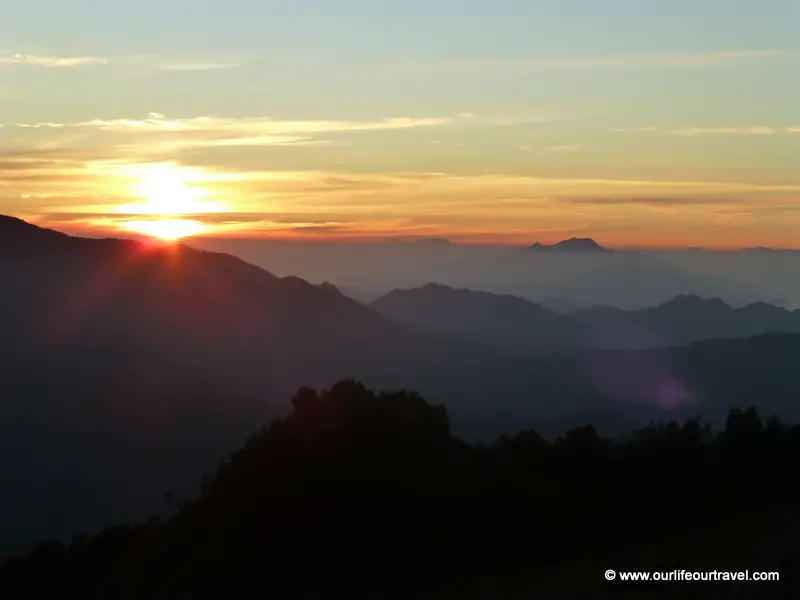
357,495
126,370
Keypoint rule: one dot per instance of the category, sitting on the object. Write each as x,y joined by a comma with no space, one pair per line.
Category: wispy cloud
698,131
652,201
758,130
156,122
691,60
566,148
40,125
164,134
196,67
34,60
146,61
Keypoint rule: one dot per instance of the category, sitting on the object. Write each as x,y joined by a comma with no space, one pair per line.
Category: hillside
131,367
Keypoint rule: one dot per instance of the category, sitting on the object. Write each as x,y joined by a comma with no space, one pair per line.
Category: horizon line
389,239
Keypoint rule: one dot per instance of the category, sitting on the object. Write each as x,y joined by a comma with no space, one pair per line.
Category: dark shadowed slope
208,309
114,358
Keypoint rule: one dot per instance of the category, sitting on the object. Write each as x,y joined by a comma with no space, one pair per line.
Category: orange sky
571,123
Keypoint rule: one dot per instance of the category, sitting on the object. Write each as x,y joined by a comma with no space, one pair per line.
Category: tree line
359,491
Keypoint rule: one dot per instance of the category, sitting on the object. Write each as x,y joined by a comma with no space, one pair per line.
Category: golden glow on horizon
110,196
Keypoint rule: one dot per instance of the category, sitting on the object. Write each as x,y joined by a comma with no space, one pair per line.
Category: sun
166,229
169,194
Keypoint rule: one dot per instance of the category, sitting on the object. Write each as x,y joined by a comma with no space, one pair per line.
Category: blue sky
690,90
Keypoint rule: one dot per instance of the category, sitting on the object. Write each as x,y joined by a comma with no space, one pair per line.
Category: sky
504,121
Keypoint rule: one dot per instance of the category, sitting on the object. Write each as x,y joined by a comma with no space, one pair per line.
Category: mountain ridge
510,321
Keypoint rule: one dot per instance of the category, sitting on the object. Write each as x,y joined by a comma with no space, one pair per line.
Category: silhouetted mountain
127,367
110,342
558,305
635,281
364,296
107,342
571,245
504,320
682,320
514,323
630,280
432,241
330,288
774,275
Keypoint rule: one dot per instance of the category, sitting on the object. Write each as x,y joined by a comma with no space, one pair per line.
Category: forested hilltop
358,493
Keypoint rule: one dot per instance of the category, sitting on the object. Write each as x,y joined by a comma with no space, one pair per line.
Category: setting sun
169,192
166,229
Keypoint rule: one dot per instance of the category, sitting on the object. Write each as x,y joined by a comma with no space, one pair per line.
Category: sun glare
170,193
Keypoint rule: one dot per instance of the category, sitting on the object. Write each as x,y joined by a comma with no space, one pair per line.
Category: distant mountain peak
694,301
434,241
433,286
573,244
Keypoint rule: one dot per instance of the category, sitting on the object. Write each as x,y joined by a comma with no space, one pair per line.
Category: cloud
156,122
40,125
327,229
691,60
691,131
33,60
190,67
651,201
758,130
566,148
129,61
171,135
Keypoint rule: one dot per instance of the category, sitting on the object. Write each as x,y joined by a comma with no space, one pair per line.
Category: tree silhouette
357,491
